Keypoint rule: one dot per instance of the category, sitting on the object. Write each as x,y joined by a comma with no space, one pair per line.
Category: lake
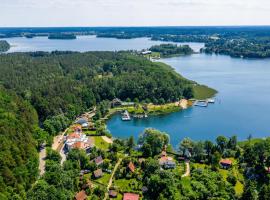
241,106
82,44
243,85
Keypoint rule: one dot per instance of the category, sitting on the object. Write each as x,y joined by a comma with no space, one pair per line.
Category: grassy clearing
203,92
100,143
104,179
126,185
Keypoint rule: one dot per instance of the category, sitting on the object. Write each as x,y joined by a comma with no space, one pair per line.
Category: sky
43,13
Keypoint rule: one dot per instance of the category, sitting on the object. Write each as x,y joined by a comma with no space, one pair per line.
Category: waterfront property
225,163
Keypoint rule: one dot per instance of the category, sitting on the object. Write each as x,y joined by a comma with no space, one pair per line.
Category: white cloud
133,12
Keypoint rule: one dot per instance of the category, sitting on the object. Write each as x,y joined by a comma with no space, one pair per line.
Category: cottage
81,195
98,173
225,163
131,196
167,162
112,194
98,160
131,167
116,102
82,121
146,52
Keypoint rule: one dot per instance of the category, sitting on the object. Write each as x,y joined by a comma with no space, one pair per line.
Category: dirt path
111,179
107,139
42,158
58,141
187,173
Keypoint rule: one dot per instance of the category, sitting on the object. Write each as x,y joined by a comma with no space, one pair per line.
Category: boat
125,116
201,103
211,100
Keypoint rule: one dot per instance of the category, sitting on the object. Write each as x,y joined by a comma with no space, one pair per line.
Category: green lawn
126,184
100,143
104,179
90,132
203,92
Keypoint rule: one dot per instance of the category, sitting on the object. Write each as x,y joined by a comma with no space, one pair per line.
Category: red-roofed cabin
131,167
81,195
73,135
225,163
131,196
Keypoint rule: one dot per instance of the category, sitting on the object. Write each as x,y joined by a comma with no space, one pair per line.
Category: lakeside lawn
100,143
203,92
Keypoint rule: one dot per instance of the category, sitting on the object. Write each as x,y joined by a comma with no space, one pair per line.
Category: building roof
225,162
81,195
98,173
267,169
73,135
98,160
131,196
163,153
113,193
81,121
78,145
166,160
131,167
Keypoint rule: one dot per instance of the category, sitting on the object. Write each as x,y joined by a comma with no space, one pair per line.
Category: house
163,153
81,195
112,194
98,160
77,128
131,167
98,173
116,102
131,196
167,162
267,169
225,163
141,160
78,140
82,121
146,52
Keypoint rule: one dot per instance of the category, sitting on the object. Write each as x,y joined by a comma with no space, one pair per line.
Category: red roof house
131,196
131,167
225,163
81,195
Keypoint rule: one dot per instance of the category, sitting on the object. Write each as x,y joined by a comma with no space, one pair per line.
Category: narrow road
187,173
42,158
111,179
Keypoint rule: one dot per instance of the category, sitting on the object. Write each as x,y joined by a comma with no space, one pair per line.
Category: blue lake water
82,44
242,106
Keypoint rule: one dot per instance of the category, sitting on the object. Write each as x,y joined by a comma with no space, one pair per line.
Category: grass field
203,92
100,143
104,179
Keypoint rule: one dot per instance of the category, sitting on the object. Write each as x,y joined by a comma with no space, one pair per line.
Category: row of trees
167,50
4,46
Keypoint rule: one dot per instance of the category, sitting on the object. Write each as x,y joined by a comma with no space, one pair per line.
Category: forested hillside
68,83
18,154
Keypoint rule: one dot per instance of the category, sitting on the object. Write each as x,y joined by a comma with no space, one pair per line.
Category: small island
4,46
171,50
62,36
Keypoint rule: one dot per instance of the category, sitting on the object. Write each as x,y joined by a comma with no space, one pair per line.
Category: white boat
126,116
201,103
211,100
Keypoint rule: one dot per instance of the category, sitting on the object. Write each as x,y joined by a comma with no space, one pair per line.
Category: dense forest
69,83
4,46
18,154
62,36
168,50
